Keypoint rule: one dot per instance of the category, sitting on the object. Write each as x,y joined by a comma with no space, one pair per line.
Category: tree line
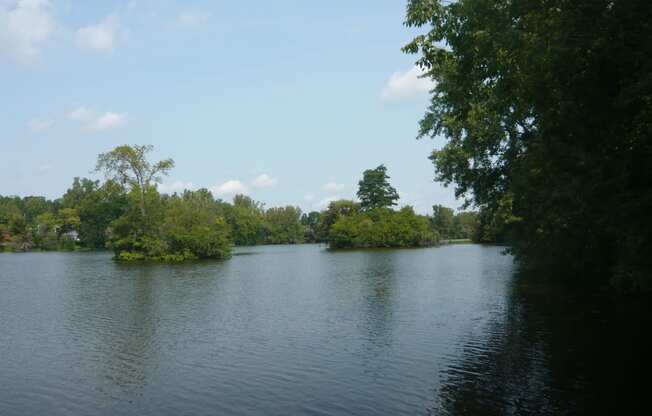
546,109
127,214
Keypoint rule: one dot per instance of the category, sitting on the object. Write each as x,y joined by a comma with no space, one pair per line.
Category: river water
293,330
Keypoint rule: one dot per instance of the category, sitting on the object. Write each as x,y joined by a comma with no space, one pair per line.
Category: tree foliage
128,166
372,223
546,110
451,226
375,191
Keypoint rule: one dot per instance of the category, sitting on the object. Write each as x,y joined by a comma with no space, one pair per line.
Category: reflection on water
301,330
555,351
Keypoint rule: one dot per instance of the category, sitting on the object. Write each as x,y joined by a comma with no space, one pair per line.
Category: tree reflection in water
555,351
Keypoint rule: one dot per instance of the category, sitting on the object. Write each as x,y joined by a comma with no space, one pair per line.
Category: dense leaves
128,215
451,226
371,223
382,227
546,110
375,191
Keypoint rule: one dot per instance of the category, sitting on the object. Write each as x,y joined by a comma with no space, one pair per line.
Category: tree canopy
374,189
546,110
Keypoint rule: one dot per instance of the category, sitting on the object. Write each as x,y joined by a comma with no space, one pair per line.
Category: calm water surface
287,330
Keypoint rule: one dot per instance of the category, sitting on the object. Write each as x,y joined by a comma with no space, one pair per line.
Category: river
294,330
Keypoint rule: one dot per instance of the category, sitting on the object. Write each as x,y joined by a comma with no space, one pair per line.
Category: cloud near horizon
406,85
264,181
176,187
333,187
91,120
229,188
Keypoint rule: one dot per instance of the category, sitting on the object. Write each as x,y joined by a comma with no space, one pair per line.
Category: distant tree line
127,214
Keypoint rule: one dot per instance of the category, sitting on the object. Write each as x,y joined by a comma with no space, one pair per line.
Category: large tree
128,165
546,108
375,190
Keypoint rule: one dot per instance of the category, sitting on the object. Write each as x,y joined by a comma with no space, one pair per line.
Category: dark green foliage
284,225
34,223
97,205
371,223
381,227
547,112
335,210
246,218
192,225
311,223
375,191
451,226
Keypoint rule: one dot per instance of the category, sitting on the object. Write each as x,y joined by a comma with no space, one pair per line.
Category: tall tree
375,191
443,221
128,165
546,112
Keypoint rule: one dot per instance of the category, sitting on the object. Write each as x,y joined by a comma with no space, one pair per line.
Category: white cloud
323,203
24,26
193,18
37,125
333,187
109,120
176,186
91,120
264,181
405,85
230,187
101,37
309,197
80,114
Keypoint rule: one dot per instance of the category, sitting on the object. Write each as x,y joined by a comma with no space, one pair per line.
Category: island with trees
128,215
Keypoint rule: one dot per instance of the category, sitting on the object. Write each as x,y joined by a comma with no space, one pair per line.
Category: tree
246,219
128,166
381,227
335,210
374,189
443,221
283,225
97,205
311,221
546,109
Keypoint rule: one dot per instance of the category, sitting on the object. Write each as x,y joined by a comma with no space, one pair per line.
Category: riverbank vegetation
372,222
127,214
546,109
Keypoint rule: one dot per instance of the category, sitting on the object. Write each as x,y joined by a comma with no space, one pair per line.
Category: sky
285,101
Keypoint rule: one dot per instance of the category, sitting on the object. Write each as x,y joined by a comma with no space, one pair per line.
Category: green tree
246,219
336,210
382,227
128,165
374,189
97,205
193,228
284,225
443,221
546,108
310,222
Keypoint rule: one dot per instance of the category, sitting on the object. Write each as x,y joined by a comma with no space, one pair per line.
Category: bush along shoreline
127,214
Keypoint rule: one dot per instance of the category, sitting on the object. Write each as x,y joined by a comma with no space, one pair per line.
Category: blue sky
287,101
